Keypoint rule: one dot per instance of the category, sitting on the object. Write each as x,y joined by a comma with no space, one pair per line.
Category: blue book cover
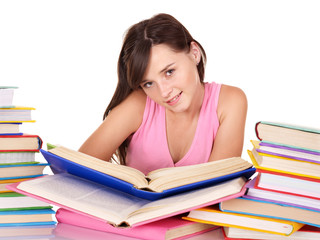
29,224
62,165
21,177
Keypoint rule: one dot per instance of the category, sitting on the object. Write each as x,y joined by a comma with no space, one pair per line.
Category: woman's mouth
174,100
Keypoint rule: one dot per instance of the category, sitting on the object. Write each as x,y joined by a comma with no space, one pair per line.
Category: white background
63,55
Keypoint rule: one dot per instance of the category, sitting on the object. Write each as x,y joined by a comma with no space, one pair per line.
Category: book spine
256,130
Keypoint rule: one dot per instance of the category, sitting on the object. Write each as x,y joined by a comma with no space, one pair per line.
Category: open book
169,228
118,208
157,184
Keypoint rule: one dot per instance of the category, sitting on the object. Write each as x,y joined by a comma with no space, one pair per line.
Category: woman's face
171,78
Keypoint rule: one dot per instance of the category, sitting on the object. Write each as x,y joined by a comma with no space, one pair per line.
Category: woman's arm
232,112
121,122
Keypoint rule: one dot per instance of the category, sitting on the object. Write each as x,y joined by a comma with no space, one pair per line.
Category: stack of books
118,199
19,214
282,201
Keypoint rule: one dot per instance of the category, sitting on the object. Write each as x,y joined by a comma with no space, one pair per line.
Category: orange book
213,215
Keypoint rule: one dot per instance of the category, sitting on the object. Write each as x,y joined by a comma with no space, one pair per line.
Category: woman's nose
165,90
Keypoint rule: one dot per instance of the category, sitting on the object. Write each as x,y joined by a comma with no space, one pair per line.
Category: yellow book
16,114
213,215
283,165
17,108
3,183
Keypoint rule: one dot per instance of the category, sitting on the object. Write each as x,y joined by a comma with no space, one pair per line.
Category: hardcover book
281,198
21,170
157,184
305,233
15,114
292,135
213,215
289,166
284,151
288,184
25,217
118,208
15,201
169,228
22,143
272,210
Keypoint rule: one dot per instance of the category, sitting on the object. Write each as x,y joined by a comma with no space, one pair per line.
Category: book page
168,178
122,172
85,196
186,200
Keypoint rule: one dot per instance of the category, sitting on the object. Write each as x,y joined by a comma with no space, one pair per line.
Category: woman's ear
195,52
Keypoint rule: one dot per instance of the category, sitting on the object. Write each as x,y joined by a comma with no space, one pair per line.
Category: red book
289,184
20,143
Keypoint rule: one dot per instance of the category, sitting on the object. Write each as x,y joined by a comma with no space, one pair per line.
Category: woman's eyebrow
164,69
169,65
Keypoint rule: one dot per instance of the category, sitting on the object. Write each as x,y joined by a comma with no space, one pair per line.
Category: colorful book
157,184
213,215
15,201
16,114
305,233
118,208
168,228
282,165
22,143
288,184
281,198
291,135
12,218
7,181
21,170
270,209
284,151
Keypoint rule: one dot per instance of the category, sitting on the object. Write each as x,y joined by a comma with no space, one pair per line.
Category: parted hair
134,57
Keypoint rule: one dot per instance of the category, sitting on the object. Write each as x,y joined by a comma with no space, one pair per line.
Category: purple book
281,198
289,152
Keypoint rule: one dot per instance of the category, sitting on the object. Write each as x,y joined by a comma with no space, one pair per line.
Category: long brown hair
134,57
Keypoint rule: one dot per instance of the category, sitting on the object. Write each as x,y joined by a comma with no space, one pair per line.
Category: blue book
63,160
10,128
21,177
272,210
26,224
8,171
26,216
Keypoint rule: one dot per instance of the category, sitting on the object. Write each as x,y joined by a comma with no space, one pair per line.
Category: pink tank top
148,148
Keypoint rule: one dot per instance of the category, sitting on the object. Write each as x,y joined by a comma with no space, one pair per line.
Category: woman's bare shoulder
231,99
132,108
121,122
134,103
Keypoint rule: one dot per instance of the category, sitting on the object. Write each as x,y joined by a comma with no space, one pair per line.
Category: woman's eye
147,84
169,72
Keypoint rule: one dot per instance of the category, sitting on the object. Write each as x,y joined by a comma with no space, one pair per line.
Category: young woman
162,113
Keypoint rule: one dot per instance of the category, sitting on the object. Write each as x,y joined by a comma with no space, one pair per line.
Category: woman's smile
174,100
